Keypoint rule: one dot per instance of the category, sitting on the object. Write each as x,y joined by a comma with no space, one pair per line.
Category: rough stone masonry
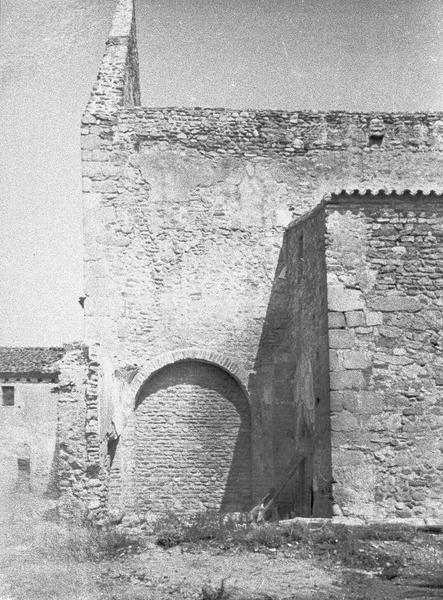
248,320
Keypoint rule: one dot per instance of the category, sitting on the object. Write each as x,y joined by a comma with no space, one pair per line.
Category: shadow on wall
272,373
187,446
291,383
52,490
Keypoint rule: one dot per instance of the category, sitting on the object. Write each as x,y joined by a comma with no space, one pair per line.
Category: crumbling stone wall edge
117,82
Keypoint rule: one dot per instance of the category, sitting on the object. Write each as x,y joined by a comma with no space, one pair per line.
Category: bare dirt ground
283,574
42,560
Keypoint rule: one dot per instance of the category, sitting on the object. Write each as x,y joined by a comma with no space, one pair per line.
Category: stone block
106,186
343,299
355,318
390,332
434,523
394,303
123,329
363,330
370,402
334,361
374,318
94,504
346,457
350,379
344,421
355,359
336,320
99,155
336,401
341,338
336,511
90,142
88,119
86,184
392,359
350,400
390,423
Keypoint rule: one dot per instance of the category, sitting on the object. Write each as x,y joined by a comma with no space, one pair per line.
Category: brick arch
186,440
198,354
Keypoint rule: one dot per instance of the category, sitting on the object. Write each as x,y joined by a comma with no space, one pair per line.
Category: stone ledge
421,524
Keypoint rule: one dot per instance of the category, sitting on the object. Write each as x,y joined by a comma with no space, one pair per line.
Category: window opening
24,474
8,395
375,139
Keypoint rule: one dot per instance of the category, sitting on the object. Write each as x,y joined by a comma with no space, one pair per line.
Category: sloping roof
19,360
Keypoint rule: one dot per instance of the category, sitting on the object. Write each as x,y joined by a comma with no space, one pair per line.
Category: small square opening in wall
8,395
23,483
24,465
375,139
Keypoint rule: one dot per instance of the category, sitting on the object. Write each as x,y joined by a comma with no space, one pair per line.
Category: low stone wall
81,473
401,524
384,257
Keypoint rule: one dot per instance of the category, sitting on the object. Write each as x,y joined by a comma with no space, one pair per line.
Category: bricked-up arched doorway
187,445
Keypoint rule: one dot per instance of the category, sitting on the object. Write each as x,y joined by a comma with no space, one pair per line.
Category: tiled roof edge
430,194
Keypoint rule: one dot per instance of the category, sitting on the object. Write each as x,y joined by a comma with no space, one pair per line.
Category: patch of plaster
348,239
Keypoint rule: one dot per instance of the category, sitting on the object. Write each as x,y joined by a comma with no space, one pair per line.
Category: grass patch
51,559
355,547
111,542
45,558
173,530
77,540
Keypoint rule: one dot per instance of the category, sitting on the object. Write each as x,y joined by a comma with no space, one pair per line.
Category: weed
223,592
354,547
110,542
267,535
202,527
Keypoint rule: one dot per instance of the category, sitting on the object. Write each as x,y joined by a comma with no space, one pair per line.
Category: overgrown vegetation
85,542
51,559
354,547
173,530
49,537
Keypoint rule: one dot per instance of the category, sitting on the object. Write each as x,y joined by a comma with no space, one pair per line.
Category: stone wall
287,134
80,477
184,218
384,257
169,217
182,241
